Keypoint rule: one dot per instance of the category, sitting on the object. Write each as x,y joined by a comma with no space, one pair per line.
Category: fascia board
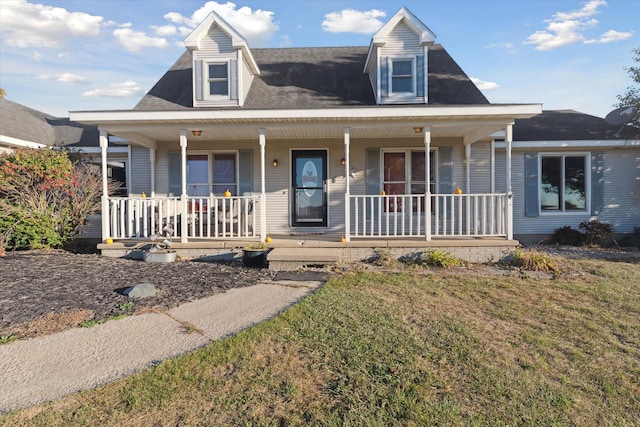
16,142
596,143
514,111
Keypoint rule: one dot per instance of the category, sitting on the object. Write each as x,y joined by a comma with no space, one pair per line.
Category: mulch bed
47,291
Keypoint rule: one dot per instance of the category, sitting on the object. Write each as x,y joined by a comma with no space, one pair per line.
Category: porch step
286,259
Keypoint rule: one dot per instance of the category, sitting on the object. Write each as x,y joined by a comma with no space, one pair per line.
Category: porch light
343,162
417,129
196,132
275,163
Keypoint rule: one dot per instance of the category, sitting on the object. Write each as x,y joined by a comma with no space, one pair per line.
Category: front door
309,175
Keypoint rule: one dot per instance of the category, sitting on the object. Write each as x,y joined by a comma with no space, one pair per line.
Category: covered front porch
357,175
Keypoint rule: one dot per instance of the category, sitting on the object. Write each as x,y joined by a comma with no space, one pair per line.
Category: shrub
595,231
44,197
384,259
567,236
440,258
533,260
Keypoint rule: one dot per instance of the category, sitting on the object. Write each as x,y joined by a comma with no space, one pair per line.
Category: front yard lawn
414,347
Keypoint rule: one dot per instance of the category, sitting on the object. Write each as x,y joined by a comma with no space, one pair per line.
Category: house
570,167
235,144
24,127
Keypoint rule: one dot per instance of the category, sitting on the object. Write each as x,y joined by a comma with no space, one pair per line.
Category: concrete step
287,259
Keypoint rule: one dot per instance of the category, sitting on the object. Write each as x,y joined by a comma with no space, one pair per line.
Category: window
402,76
563,186
222,172
406,177
218,78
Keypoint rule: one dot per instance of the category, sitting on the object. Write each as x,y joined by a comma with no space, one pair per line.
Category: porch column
347,198
492,166
508,138
467,155
152,162
104,143
263,189
183,195
427,179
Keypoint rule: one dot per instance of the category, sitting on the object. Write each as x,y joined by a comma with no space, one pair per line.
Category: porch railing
461,215
206,217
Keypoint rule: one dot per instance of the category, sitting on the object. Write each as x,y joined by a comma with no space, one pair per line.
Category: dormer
397,63
223,67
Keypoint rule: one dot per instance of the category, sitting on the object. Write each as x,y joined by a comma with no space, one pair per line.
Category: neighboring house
24,127
570,167
362,142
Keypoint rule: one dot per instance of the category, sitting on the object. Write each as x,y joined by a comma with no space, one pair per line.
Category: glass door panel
309,172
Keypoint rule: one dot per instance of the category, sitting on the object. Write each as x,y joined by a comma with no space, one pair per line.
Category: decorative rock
141,290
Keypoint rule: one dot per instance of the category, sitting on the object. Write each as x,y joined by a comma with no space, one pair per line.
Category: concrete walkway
47,368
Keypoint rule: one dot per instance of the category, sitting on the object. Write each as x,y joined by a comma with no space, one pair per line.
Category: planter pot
254,257
160,256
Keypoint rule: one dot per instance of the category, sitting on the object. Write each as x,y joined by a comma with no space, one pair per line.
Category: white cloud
65,78
482,85
612,36
37,56
133,41
566,28
257,26
25,24
116,90
72,78
353,21
165,30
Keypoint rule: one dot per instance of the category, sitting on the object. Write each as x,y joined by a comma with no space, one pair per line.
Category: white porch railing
461,215
206,217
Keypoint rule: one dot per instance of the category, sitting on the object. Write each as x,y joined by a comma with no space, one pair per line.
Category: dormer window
218,78
402,72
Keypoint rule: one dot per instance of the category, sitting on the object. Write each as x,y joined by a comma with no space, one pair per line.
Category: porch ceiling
468,123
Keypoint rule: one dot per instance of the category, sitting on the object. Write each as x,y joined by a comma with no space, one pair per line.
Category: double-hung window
402,77
218,79
563,182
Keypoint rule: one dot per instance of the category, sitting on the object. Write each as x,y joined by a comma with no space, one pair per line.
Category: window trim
208,80
587,182
414,83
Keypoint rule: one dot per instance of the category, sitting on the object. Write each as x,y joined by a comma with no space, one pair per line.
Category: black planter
254,257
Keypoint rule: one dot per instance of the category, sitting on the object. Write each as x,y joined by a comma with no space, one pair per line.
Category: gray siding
402,42
621,195
216,46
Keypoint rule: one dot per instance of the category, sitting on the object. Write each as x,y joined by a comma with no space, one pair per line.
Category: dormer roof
404,15
193,40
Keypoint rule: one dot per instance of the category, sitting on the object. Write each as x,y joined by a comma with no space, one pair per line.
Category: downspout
183,196
104,143
492,166
467,155
152,161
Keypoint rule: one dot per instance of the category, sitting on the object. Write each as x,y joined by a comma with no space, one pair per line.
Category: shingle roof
27,124
569,125
314,78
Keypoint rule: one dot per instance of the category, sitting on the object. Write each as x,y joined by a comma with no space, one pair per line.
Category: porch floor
294,251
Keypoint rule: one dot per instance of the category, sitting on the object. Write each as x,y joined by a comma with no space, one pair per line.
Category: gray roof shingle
569,125
27,124
325,77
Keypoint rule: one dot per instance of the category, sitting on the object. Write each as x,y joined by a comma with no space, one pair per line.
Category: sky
58,56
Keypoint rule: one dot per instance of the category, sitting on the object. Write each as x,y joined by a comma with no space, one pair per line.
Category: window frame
587,183
208,80
234,188
408,182
414,84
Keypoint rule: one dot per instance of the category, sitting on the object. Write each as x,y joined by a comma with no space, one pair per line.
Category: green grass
379,349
